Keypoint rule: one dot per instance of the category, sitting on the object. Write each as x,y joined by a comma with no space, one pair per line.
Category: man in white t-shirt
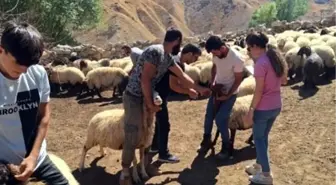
24,105
227,70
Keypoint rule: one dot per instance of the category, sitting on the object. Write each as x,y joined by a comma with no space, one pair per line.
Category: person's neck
167,49
261,53
4,73
226,51
182,59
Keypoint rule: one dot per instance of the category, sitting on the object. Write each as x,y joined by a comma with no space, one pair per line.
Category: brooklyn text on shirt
13,108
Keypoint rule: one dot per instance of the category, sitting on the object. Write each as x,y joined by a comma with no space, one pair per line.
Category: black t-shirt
163,87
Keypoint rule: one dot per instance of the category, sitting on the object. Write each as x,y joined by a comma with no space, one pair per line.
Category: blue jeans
222,117
262,123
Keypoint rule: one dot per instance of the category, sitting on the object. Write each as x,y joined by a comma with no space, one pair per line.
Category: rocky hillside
130,20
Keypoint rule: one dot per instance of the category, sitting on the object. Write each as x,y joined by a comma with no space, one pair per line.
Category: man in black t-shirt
169,81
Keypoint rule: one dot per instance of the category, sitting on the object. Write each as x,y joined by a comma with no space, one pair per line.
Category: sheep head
156,98
305,50
7,171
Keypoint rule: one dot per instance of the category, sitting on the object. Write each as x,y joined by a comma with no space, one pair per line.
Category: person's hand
192,94
204,91
26,167
248,118
223,97
154,108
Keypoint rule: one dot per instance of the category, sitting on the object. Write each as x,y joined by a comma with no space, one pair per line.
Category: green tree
56,19
288,10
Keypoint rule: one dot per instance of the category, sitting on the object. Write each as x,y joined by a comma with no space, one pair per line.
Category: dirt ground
302,142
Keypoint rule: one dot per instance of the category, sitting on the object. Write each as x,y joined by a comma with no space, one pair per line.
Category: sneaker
260,178
169,158
223,154
253,169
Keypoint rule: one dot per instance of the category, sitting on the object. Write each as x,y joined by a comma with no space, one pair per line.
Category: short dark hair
213,43
23,41
126,47
173,34
191,48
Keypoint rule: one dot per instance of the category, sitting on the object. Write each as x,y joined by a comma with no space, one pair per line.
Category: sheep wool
63,168
293,60
332,44
239,110
289,45
121,62
105,77
247,86
303,41
205,75
326,53
193,72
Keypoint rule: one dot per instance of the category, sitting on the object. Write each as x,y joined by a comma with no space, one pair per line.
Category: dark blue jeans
162,126
222,117
262,123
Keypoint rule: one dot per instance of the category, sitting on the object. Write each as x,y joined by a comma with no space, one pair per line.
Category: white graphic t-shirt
19,119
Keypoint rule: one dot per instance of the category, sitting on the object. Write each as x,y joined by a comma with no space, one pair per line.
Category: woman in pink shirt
270,71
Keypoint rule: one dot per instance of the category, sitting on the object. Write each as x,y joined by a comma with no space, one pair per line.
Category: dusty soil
302,142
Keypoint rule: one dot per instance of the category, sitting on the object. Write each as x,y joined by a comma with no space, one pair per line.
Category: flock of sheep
106,128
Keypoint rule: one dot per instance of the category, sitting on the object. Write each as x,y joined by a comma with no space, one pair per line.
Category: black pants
162,127
48,173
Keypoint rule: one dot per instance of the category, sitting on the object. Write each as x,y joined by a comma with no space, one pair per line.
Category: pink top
271,98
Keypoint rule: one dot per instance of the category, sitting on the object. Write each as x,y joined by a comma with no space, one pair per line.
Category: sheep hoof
135,176
144,175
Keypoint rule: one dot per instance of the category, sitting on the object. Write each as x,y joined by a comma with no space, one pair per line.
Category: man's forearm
41,134
147,91
180,89
235,86
187,81
213,74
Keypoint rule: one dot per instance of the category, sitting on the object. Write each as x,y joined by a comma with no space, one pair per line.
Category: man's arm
213,74
237,82
44,111
176,86
148,73
185,79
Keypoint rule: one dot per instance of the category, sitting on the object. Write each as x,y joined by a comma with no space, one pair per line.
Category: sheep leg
232,139
249,140
102,152
142,163
135,174
82,160
114,92
98,93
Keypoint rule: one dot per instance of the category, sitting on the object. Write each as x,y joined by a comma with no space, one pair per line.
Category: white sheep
294,62
106,77
121,62
63,168
65,75
236,122
328,56
205,75
106,129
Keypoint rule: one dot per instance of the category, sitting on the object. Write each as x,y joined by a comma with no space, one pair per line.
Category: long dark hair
277,61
